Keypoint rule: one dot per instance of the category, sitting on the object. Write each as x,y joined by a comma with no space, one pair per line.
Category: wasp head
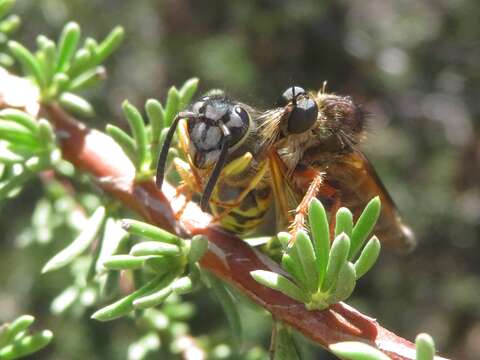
215,120
216,127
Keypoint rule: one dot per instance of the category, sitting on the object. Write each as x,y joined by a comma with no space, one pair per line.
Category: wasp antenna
212,181
162,158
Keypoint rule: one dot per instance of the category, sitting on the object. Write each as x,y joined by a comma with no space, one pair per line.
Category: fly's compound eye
303,116
290,95
238,123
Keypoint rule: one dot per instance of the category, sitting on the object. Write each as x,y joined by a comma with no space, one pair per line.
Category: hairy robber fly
305,147
316,154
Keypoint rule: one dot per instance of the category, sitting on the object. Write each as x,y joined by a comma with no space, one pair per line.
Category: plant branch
228,257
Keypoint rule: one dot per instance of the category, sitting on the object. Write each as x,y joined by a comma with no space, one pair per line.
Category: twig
227,257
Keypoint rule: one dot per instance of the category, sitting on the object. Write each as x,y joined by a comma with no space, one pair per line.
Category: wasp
225,160
242,160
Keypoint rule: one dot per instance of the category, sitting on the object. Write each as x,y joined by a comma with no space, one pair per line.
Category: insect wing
286,198
357,182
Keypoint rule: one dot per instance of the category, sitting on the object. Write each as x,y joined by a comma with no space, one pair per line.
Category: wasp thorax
300,109
218,121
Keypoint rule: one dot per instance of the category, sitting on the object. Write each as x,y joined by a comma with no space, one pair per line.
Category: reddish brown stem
227,257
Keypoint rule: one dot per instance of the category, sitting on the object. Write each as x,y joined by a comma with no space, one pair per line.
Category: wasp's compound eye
238,123
290,95
198,105
303,116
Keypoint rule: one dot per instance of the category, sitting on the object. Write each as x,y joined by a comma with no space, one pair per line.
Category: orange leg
183,190
302,209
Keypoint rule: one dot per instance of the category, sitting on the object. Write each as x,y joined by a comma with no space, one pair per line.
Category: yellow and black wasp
240,159
225,160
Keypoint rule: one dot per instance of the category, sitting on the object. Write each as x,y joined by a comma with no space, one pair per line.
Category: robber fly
313,140
225,161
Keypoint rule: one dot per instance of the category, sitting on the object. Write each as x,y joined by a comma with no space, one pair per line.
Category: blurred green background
415,67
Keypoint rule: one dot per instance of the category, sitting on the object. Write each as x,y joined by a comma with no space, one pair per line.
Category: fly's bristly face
216,117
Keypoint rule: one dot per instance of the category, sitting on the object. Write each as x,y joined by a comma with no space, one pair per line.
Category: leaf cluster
164,258
320,274
143,145
8,24
27,146
62,68
16,342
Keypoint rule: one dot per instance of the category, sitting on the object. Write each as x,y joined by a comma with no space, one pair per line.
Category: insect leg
238,200
302,209
188,185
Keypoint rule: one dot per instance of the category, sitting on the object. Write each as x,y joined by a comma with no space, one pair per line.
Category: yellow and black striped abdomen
246,215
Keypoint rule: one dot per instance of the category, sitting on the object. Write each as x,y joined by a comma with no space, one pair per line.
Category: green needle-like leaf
198,247
88,79
305,253
368,257
81,61
152,300
125,141
344,222
137,126
425,347
352,350
49,52
26,345
183,285
364,226
123,262
149,231
67,44
125,305
155,114
10,24
164,264
337,258
9,157
7,187
21,118
280,283
345,283
28,61
5,6
319,228
109,44
80,244
60,83
284,238
76,104
172,107
154,248
19,325
18,134
46,134
295,270
187,91
158,296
